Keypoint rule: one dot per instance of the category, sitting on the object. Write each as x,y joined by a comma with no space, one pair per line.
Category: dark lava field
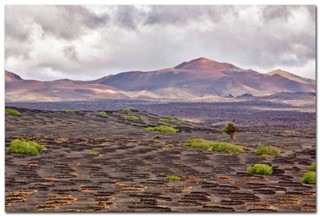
129,173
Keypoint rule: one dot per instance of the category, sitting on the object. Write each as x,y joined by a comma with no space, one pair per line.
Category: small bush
172,178
265,156
102,113
168,119
132,118
127,110
142,125
226,147
260,169
312,167
182,122
93,153
70,111
24,147
230,129
162,128
268,150
10,111
199,143
309,178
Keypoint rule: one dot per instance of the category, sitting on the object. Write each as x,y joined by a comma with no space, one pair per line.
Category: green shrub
260,169
199,143
226,147
309,178
132,118
102,113
24,147
268,150
168,119
162,128
93,153
142,125
172,178
265,156
127,110
182,122
70,111
10,111
230,129
312,167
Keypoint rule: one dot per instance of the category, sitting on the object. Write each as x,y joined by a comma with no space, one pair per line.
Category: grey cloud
312,9
179,14
126,38
71,52
128,17
65,22
276,12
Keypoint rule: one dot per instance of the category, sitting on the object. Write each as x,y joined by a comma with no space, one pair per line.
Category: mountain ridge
290,76
189,80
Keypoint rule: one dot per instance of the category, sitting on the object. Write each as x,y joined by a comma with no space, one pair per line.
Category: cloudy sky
89,42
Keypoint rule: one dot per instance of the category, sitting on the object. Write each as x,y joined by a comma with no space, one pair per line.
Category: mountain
204,76
205,65
196,79
290,76
9,76
59,90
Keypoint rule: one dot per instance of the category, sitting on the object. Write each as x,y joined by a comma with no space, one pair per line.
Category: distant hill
198,78
9,76
290,76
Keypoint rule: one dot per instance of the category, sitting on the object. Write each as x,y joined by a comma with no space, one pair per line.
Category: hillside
193,80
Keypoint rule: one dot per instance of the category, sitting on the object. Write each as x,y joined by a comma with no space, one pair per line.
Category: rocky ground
129,173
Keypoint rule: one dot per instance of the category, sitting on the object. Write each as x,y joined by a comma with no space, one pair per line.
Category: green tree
230,129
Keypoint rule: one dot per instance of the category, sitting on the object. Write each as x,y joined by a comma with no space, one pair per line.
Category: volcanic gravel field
129,174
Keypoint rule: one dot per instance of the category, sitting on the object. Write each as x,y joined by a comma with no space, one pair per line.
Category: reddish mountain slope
204,76
194,79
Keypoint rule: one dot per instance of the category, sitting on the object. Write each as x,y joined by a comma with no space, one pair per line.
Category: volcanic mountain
198,78
204,76
11,77
59,90
290,76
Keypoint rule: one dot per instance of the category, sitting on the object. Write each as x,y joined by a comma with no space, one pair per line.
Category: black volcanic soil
128,175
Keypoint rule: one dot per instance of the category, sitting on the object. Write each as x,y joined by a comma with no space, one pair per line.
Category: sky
88,42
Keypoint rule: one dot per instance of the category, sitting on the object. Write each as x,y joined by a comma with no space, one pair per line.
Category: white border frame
122,2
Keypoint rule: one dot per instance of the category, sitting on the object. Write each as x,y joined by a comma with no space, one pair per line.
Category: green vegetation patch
127,110
172,178
309,178
199,143
132,118
230,129
226,147
168,119
268,150
70,111
163,128
312,167
141,125
214,146
260,169
182,122
93,153
18,146
10,111
102,113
